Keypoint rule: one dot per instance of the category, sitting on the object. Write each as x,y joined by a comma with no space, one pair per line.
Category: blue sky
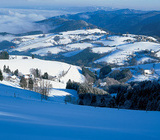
132,4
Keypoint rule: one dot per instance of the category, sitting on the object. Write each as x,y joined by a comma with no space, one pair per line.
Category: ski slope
28,118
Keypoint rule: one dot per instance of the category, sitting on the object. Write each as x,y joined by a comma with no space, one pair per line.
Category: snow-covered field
24,115
69,54
90,31
71,43
145,59
116,40
138,75
53,68
67,41
29,118
33,42
103,49
121,54
51,50
61,71
79,46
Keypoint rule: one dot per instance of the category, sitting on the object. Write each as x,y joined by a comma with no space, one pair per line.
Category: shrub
105,70
45,76
1,76
4,55
23,82
121,76
90,76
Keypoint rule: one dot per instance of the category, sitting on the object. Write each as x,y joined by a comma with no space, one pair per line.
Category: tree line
135,95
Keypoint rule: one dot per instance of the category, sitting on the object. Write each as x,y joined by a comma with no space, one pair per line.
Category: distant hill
57,24
6,45
122,21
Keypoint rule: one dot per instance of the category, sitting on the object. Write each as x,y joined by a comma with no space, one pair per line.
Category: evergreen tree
33,56
45,76
4,68
30,84
94,100
1,76
105,70
16,72
4,55
8,70
37,73
23,82
69,84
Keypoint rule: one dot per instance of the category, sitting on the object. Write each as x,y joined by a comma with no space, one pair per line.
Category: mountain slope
47,120
57,24
122,21
53,68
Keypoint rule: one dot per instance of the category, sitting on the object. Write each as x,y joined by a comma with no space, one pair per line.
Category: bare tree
44,89
23,82
35,85
35,72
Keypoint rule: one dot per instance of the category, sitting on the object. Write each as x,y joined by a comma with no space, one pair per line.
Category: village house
148,72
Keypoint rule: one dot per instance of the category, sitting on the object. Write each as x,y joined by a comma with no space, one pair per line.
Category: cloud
21,21
15,22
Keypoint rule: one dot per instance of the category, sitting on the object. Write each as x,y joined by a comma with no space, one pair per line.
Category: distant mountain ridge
57,24
122,21
116,21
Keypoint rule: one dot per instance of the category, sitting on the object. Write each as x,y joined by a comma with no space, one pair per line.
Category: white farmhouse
148,72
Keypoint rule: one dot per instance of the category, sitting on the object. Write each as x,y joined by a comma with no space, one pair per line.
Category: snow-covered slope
51,50
72,53
116,40
24,116
47,120
89,31
56,43
55,94
11,91
123,52
79,46
103,49
53,68
119,49
138,71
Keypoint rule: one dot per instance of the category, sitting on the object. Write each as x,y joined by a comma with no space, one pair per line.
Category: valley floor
24,119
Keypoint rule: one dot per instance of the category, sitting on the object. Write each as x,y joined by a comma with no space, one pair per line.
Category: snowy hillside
61,73
70,78
53,68
139,76
40,41
118,49
122,52
64,42
32,119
